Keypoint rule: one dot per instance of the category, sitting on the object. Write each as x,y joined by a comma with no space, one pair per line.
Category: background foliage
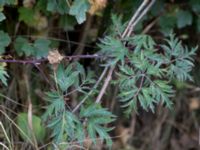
53,60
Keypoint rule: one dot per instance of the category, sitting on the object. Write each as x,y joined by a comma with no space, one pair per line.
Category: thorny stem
38,61
145,6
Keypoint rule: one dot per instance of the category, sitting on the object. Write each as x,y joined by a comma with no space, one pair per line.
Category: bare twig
30,61
91,91
149,26
131,22
44,76
147,6
6,135
105,84
38,61
56,39
11,100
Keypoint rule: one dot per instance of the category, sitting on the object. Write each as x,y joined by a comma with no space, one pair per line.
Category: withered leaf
54,57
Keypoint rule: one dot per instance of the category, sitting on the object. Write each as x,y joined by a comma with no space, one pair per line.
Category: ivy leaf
157,8
195,4
184,18
57,6
4,41
33,18
8,2
67,22
167,26
2,16
52,5
26,15
19,45
79,9
41,47
28,49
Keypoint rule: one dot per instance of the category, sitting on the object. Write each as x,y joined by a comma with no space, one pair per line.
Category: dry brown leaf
28,3
194,103
97,5
41,22
54,57
87,143
3,64
124,134
187,141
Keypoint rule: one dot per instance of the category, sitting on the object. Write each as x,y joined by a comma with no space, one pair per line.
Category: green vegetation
63,94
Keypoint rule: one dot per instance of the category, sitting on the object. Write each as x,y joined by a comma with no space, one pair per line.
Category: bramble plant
143,70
